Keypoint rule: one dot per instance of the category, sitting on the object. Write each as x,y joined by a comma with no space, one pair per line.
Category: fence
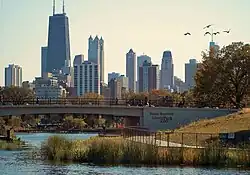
106,101
171,148
179,139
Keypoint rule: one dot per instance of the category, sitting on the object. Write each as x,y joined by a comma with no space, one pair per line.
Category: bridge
145,115
117,110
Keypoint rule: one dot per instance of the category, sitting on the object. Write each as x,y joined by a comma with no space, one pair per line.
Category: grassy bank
14,145
103,151
201,132
231,123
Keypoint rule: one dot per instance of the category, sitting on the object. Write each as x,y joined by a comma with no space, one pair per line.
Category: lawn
203,131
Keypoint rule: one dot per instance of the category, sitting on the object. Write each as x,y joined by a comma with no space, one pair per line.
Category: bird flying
215,33
207,33
206,27
227,31
187,34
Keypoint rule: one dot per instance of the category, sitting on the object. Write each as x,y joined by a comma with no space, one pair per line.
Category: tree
30,120
155,94
224,76
99,121
68,122
93,96
77,123
14,122
176,97
17,95
2,121
139,96
89,120
188,97
127,95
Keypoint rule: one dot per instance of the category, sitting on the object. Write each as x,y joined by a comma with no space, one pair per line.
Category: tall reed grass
14,145
103,151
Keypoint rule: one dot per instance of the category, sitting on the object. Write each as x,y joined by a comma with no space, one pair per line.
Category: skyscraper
13,76
78,59
113,75
131,69
190,71
96,54
148,77
140,60
94,50
179,85
124,82
101,60
58,56
115,88
167,71
44,51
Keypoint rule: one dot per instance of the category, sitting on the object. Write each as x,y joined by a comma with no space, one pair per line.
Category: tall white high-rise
167,71
190,71
13,76
86,78
131,69
96,54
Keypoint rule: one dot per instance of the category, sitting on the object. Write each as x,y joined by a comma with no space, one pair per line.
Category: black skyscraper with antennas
58,54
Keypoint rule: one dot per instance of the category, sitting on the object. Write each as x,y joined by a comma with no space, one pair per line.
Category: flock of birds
209,33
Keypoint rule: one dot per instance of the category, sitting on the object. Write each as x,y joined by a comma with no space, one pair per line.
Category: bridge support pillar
131,121
142,121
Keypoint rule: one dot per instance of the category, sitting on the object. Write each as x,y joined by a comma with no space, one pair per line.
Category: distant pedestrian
183,101
146,101
103,129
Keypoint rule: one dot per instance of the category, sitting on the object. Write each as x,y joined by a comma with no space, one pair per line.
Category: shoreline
117,131
210,167
217,167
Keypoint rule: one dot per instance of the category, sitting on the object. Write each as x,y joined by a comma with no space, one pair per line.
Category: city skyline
159,30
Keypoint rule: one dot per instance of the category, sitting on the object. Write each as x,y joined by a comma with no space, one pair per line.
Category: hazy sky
147,26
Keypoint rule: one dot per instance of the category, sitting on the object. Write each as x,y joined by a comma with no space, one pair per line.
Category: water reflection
19,163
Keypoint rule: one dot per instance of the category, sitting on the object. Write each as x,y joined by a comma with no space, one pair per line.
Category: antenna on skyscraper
63,7
54,7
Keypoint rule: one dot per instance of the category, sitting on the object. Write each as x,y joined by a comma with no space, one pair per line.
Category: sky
146,26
